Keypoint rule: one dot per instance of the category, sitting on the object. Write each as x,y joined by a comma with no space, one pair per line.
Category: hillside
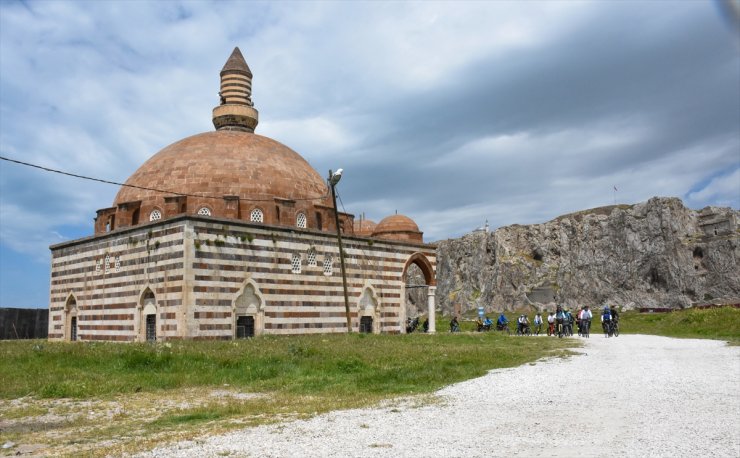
653,254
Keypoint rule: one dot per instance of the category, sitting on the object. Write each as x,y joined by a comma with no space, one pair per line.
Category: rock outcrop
653,254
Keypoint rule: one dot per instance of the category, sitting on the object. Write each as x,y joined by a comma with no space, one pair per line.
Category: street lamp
334,178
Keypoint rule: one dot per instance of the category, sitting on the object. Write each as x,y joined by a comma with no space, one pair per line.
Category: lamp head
335,177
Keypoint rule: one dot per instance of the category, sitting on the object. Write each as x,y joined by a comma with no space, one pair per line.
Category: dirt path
626,396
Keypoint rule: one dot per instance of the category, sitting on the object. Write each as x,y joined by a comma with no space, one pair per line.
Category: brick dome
398,227
224,165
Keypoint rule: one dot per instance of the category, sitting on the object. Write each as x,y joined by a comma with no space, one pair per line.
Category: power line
164,191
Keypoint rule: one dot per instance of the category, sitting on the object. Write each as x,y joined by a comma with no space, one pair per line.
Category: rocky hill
653,254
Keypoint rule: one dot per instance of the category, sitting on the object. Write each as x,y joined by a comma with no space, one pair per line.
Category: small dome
398,227
364,227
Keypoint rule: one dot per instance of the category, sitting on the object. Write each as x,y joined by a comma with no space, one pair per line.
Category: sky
452,113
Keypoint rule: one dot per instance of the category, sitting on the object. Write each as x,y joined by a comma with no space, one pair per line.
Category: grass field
721,323
73,397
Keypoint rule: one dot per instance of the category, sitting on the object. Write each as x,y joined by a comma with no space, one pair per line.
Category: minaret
236,111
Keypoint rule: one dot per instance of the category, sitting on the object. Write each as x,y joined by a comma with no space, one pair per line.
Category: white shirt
551,318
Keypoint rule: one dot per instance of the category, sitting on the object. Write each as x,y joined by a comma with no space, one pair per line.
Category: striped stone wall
198,267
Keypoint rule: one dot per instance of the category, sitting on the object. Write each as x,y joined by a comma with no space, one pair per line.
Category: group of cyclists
559,323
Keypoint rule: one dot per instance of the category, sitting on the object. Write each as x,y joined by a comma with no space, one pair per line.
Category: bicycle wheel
616,330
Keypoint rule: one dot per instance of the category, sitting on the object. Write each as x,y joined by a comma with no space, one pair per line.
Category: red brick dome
224,164
398,227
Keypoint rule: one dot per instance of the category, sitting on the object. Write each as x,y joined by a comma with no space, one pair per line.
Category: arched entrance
430,281
147,318
70,318
368,309
248,312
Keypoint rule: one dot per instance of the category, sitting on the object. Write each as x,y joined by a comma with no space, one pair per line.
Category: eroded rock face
653,254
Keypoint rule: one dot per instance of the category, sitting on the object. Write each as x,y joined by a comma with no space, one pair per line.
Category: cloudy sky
452,113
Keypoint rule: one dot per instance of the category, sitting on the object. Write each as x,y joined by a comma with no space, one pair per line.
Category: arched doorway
70,318
248,312
368,309
147,317
430,282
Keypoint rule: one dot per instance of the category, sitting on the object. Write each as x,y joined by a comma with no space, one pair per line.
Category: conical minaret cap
236,111
236,63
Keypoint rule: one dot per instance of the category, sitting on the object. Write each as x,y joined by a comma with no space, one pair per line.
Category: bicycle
615,328
585,328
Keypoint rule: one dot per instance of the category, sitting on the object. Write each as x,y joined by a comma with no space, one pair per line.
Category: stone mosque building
229,234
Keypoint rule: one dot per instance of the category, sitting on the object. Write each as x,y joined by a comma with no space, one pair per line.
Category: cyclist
551,324
606,317
586,316
537,323
560,320
487,323
501,322
568,323
614,313
522,323
479,324
578,320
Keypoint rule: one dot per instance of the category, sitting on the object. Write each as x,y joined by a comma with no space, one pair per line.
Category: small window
295,263
118,263
107,263
155,215
312,257
301,220
328,266
204,211
257,216
98,263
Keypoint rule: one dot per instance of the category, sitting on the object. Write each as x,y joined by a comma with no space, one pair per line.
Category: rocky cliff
653,254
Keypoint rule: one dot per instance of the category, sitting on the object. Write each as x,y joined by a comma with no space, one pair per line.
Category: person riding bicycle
522,323
614,313
487,323
479,324
586,317
454,325
501,322
606,317
537,323
559,319
551,324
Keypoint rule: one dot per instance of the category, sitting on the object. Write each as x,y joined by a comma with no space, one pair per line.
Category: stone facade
197,275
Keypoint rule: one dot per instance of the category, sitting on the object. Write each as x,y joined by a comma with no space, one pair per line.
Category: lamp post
334,178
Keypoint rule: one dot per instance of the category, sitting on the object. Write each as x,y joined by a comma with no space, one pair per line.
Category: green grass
337,365
721,323
165,391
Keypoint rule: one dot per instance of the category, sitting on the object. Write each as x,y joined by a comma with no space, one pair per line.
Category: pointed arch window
328,266
118,263
107,263
301,220
312,257
257,216
295,263
155,215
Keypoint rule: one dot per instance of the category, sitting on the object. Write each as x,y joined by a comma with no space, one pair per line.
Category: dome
364,227
398,227
224,163
230,173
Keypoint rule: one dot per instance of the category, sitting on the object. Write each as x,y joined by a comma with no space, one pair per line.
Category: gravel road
628,396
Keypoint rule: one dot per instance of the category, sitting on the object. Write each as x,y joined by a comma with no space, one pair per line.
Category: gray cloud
451,113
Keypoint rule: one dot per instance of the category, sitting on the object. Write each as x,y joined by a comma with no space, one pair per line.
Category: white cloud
722,191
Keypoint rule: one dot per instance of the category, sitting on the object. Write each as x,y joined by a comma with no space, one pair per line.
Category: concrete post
430,301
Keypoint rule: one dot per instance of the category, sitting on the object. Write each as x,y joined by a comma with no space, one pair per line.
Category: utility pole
334,178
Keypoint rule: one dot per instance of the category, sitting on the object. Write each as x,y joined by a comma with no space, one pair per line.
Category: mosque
228,234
